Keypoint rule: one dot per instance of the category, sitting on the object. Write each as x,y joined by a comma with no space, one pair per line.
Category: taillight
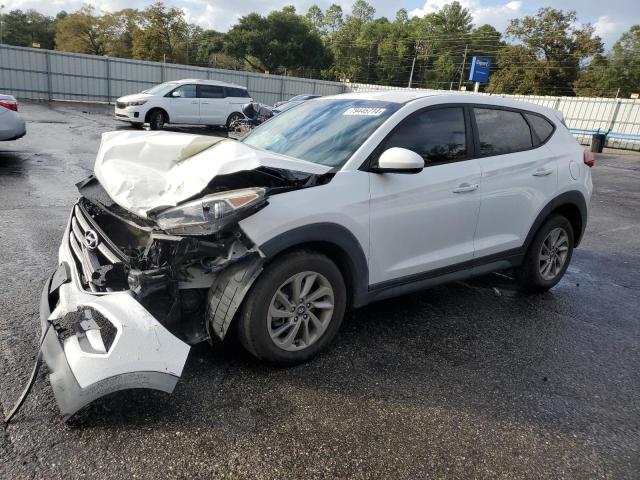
588,158
10,105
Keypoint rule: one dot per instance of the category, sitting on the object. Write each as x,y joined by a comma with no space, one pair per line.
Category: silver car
12,125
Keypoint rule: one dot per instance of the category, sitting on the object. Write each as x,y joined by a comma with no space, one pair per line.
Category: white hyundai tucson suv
339,202
184,102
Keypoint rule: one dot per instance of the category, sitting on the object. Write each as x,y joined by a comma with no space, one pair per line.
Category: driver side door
183,105
425,221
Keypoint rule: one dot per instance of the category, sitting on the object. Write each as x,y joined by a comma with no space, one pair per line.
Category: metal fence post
281,89
108,65
614,116
48,61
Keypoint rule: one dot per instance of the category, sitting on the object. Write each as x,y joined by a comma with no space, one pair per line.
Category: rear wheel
234,117
548,256
157,119
294,309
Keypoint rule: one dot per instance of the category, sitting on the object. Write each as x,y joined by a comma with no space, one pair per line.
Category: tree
24,28
283,39
316,17
556,45
615,74
82,32
163,35
120,28
362,11
333,18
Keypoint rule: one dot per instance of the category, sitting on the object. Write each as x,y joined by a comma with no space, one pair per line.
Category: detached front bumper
102,342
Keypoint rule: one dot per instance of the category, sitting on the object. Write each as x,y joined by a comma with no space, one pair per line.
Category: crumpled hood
144,171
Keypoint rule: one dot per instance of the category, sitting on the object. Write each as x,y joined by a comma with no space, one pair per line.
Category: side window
237,92
437,135
184,91
542,128
502,131
210,91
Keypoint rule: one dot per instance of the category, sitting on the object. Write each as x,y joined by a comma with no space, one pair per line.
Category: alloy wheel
300,311
553,253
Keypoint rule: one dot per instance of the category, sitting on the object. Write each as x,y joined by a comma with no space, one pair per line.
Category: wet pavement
469,380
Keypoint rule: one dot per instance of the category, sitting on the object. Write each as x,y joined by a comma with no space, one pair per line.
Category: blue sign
480,67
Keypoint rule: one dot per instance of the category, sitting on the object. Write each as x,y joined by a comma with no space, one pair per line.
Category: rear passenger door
425,221
519,175
213,104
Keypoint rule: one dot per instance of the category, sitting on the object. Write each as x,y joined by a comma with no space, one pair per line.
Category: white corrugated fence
52,75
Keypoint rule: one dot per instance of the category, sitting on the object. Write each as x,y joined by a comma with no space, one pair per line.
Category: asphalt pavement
468,380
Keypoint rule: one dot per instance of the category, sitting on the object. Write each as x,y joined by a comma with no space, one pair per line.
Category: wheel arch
153,109
231,114
334,241
571,205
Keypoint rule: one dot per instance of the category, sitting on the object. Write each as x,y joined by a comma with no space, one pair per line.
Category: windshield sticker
364,111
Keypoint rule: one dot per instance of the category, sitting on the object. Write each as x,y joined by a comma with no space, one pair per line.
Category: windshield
162,88
327,132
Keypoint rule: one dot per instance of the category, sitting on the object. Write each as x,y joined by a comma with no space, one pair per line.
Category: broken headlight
211,213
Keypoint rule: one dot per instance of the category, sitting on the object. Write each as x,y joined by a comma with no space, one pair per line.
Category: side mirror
176,94
399,160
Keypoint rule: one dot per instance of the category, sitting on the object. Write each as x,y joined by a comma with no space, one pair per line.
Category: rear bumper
85,365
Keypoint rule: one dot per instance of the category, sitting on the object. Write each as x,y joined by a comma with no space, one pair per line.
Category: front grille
100,266
121,105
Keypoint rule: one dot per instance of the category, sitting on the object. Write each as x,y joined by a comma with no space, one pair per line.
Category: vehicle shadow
11,163
478,347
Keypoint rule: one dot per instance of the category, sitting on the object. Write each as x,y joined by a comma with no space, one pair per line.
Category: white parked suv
189,101
337,203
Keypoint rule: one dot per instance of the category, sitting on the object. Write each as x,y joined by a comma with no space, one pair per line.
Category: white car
334,204
190,102
12,126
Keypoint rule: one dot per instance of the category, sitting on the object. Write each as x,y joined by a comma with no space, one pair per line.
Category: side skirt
452,273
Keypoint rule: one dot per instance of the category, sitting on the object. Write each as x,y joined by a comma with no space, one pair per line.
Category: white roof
404,96
207,82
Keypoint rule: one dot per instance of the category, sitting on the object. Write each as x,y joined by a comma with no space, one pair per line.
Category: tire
312,325
157,119
232,118
536,274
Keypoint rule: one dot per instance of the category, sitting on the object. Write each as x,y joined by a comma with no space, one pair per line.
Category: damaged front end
133,290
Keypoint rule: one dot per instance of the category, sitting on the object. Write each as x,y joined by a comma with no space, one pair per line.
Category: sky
610,22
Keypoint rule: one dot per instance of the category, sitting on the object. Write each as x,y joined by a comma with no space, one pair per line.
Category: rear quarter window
541,127
237,92
502,131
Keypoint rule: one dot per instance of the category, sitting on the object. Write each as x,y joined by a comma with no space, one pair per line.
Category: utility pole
413,65
464,59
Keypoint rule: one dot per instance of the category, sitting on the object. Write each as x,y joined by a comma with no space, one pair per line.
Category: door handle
194,102
204,103
543,172
466,187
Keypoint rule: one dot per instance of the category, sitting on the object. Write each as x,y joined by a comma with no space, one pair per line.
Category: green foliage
163,35
281,40
616,74
25,28
550,53
553,47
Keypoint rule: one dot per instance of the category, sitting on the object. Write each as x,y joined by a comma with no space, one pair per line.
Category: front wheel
548,256
294,310
157,120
